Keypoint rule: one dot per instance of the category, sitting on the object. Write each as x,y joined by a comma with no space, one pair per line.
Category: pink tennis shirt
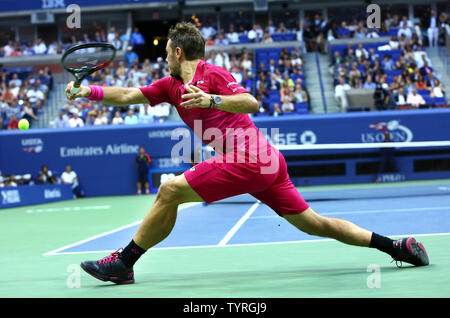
266,178
212,80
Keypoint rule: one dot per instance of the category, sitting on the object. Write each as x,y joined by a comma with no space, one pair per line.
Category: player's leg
285,200
147,187
344,231
160,220
156,226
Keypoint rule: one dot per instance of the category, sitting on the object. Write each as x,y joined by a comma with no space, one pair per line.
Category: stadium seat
301,108
243,39
439,101
423,92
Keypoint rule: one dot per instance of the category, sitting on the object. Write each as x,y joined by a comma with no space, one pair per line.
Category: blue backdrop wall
104,157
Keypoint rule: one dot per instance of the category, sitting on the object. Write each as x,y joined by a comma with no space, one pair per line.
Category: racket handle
74,88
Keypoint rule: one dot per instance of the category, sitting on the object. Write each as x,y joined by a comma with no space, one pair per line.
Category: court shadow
214,279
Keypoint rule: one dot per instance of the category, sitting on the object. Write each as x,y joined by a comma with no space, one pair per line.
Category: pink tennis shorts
214,181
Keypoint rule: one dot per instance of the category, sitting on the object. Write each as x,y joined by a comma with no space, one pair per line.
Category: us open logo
396,131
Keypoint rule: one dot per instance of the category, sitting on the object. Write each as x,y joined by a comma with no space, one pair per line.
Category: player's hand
195,98
83,91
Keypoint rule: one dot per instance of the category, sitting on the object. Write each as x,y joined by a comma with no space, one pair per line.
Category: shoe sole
409,242
103,279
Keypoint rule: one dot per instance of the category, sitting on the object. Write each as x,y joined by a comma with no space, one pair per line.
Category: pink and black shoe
409,251
110,268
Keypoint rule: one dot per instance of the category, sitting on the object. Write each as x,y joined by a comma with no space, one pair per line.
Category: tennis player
209,95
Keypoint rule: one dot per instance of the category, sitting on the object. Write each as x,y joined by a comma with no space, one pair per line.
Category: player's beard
175,68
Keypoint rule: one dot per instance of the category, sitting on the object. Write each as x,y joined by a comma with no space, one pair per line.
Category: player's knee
169,192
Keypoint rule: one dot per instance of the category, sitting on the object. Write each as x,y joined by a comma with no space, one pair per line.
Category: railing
322,90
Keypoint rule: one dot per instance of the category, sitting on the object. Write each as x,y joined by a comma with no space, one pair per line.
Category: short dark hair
186,36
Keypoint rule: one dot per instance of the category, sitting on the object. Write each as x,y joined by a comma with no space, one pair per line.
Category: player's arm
242,103
113,95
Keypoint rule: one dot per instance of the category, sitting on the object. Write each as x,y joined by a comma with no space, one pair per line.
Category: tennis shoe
409,251
110,268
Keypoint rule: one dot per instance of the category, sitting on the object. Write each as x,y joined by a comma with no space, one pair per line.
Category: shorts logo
192,169
397,132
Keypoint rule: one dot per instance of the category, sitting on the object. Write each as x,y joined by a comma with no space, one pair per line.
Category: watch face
217,100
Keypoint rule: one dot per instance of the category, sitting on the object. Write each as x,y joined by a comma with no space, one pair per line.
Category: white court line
247,244
186,205
237,226
365,212
75,208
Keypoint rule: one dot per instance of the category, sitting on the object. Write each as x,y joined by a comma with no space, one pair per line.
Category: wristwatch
216,101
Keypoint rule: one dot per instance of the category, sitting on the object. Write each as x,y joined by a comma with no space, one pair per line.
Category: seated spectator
16,80
266,38
404,30
414,99
100,120
207,30
369,83
13,123
130,56
117,120
161,112
28,112
438,90
422,83
145,116
343,31
270,27
387,64
40,47
350,58
361,51
276,110
393,43
281,28
300,95
372,34
70,177
232,35
61,121
340,93
426,70
287,98
360,32
76,121
9,48
209,41
400,98
34,94
221,40
131,118
296,60
253,35
47,176
287,81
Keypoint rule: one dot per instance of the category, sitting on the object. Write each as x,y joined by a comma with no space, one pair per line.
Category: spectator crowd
23,94
400,71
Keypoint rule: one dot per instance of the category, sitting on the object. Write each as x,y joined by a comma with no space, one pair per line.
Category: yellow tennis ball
24,124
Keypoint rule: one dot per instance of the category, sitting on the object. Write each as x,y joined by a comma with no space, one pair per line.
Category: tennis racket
84,59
